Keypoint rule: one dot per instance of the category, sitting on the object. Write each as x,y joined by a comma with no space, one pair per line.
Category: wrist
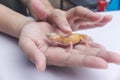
21,26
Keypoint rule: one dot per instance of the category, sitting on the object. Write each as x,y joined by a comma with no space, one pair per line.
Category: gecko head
52,36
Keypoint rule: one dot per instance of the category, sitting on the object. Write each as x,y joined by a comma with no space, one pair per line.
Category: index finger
58,17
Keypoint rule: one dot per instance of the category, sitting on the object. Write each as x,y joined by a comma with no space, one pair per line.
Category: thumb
40,61
58,17
32,51
38,10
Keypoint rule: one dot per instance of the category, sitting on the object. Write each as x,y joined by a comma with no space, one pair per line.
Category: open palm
38,48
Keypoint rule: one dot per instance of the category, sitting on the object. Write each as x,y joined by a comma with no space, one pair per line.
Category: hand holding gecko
36,45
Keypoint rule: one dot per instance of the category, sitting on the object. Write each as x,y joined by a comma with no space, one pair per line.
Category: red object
102,5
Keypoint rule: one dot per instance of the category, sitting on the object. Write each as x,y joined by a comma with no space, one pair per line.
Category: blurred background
95,5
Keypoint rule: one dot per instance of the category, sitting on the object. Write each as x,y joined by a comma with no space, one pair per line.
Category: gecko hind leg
71,46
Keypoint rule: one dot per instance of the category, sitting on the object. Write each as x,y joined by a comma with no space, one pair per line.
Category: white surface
15,66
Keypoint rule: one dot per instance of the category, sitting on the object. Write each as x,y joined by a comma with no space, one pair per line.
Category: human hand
73,19
34,42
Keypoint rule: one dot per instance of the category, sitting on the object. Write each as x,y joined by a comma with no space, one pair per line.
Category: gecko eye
51,36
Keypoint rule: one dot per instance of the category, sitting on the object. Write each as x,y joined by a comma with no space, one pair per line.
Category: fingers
110,57
102,22
85,61
88,24
35,55
99,51
87,50
83,18
84,13
106,19
59,57
59,18
38,10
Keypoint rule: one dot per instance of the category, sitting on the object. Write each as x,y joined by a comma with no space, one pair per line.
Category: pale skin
67,21
35,44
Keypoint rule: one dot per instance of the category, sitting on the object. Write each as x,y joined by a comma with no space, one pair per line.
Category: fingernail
40,69
96,62
114,57
40,66
68,29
